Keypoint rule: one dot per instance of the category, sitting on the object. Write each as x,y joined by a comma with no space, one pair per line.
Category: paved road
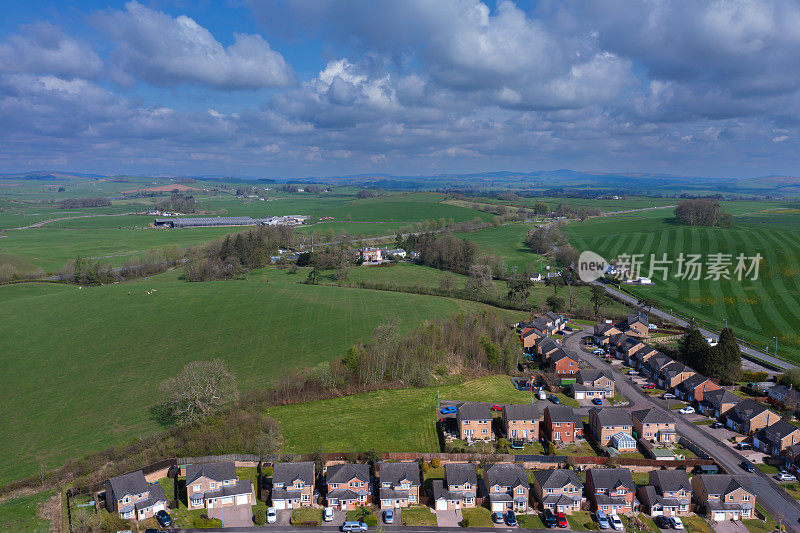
399,529
767,491
754,355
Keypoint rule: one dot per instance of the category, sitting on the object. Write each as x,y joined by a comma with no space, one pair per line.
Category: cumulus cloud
42,48
167,51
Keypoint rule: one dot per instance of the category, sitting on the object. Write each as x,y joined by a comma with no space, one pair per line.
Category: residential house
292,485
562,424
673,374
776,438
563,364
396,252
603,332
786,397
474,421
348,485
654,425
668,493
611,490
716,403
605,423
544,346
636,325
623,346
529,335
521,421
371,255
695,388
536,277
507,486
133,497
559,490
213,485
654,364
623,442
593,384
459,488
723,497
638,359
399,484
749,416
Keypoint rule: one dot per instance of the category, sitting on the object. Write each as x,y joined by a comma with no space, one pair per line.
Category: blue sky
331,87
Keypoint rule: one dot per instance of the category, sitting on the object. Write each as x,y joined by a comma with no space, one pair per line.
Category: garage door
498,507
279,504
441,505
158,507
580,395
241,499
719,517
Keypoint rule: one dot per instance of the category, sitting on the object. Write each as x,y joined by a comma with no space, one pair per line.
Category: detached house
459,488
716,403
695,388
611,490
562,363
749,416
723,497
654,364
292,485
562,424
775,439
348,485
544,346
624,346
529,335
603,332
559,490
399,484
508,488
641,357
212,485
593,384
637,325
668,493
132,496
606,423
673,374
654,425
474,421
521,421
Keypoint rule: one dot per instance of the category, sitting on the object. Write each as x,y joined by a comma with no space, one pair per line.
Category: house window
196,488
298,485
334,485
213,485
305,497
387,502
467,486
746,498
622,491
520,491
405,486
362,497
412,498
548,491
605,507
126,499
483,431
128,514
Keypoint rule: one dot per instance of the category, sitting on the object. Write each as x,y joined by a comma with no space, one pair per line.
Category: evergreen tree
694,350
730,356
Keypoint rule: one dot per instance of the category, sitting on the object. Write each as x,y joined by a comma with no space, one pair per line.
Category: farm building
196,222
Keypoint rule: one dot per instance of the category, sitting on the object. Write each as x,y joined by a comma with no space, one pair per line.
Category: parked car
555,399
511,519
688,410
497,518
497,407
272,515
649,386
717,425
388,516
151,530
747,466
597,401
786,476
744,446
562,520
602,519
597,351
616,523
449,410
163,518
327,514
668,396
549,518
675,522
652,326
633,372
568,329
662,522
354,526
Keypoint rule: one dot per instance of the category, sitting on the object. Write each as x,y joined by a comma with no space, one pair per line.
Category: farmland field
507,243
86,363
757,310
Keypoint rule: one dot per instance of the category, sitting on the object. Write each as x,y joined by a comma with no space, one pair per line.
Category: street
768,492
332,529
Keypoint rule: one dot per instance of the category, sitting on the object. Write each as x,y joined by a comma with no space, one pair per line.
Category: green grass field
508,243
757,310
85,364
387,420
19,514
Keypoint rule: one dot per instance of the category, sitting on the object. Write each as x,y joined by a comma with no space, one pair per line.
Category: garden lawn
84,346
307,514
19,514
478,517
580,521
402,420
530,521
418,516
695,524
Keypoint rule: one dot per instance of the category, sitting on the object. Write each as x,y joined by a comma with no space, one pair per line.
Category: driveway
284,517
233,515
730,527
448,518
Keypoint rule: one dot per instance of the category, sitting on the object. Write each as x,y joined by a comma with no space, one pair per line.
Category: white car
675,522
599,351
786,476
616,523
668,396
688,410
272,515
327,514
652,326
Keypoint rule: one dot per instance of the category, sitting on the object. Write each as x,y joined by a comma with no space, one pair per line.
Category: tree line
73,203
182,203
723,361
702,212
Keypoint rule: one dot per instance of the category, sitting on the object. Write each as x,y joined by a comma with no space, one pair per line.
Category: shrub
260,516
425,467
435,462
465,522
371,520
204,522
112,523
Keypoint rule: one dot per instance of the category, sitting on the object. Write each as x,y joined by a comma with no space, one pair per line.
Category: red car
649,386
561,518
497,407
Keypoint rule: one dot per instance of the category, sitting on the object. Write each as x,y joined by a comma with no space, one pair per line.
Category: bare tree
480,278
199,389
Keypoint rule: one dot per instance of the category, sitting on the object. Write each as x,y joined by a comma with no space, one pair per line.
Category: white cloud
43,49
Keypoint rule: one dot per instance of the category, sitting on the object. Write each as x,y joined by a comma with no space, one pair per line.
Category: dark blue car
511,519
164,520
449,410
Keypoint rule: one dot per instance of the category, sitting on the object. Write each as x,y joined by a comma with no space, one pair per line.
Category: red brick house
562,424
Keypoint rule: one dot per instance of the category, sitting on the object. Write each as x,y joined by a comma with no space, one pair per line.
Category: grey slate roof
611,416
524,411
562,413
283,494
652,416
637,317
343,473
506,475
590,374
474,411
716,398
780,429
460,473
560,354
391,494
342,494
243,486
720,483
215,471
609,478
547,344
287,473
670,480
690,383
396,472
557,478
131,483
600,329
747,409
